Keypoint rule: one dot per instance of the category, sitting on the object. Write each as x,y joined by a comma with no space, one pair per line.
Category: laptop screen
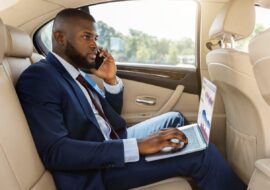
206,108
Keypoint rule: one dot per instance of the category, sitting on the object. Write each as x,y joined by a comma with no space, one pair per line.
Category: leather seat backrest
260,58
19,49
2,40
246,123
21,167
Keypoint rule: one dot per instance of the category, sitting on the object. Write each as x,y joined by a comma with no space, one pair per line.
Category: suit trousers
207,168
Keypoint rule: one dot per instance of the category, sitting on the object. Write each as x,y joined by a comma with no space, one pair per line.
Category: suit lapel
76,89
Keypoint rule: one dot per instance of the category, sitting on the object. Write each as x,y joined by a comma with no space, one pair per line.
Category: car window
160,32
262,22
46,34
149,32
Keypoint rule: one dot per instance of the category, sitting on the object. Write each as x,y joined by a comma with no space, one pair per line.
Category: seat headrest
236,20
19,43
260,58
2,40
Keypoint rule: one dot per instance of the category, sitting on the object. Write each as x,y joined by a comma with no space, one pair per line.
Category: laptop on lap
197,133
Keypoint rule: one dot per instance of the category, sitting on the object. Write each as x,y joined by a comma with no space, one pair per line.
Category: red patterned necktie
90,92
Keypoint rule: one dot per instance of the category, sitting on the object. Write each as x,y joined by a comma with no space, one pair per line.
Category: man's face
81,47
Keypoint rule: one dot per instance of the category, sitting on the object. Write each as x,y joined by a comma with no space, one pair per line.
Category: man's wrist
115,88
112,81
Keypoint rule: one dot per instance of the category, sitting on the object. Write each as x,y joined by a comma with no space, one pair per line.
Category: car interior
162,83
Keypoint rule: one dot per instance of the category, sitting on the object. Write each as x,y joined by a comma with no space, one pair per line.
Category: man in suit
79,134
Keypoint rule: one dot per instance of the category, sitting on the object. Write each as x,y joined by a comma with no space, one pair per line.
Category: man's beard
78,59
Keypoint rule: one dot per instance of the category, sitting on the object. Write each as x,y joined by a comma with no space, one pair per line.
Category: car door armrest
260,179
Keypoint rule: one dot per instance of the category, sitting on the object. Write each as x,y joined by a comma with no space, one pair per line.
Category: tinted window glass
160,32
149,32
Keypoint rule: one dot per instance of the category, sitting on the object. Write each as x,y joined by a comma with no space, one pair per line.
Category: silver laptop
198,133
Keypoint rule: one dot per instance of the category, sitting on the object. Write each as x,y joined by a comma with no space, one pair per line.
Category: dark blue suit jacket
65,130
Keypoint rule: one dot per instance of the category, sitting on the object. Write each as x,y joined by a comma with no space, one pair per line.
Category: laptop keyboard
191,135
194,144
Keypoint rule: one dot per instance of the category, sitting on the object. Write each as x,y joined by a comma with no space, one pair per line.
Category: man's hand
155,142
107,71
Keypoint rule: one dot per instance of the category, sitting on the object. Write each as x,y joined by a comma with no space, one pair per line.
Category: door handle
146,101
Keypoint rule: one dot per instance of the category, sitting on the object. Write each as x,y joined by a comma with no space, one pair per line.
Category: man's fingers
173,133
105,53
163,138
172,146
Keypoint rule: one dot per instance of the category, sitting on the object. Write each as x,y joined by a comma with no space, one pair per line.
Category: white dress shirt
131,151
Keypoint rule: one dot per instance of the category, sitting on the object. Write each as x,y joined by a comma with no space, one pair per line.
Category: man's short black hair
72,14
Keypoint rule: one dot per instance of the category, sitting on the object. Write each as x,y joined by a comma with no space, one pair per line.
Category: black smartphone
98,61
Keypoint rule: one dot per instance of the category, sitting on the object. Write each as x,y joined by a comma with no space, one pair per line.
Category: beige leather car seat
18,52
247,115
260,59
20,165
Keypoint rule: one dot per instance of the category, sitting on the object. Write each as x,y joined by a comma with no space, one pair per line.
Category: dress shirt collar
70,69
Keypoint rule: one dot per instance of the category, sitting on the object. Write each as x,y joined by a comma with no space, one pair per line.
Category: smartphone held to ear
98,61
96,65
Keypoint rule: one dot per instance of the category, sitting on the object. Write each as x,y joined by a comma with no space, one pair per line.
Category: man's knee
213,155
212,149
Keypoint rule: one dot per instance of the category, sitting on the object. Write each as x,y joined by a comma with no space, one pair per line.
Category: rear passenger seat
21,167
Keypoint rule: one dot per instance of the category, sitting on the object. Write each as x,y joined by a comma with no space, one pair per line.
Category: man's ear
59,38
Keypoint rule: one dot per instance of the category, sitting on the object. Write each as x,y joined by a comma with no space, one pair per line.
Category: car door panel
145,96
134,111
161,75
